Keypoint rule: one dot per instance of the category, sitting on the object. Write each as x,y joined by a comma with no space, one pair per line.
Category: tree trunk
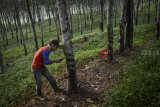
80,18
115,15
9,23
68,49
19,25
40,22
3,36
32,25
158,21
4,30
84,14
71,21
77,14
69,15
149,5
122,28
97,8
49,16
15,24
110,29
91,14
101,23
144,18
1,62
55,21
25,24
58,19
137,8
156,8
129,28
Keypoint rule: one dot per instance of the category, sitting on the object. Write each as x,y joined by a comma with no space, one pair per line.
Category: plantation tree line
19,18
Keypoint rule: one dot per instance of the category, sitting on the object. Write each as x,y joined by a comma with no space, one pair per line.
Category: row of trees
38,10
62,12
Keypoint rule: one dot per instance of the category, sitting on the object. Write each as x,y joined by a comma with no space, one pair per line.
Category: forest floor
95,76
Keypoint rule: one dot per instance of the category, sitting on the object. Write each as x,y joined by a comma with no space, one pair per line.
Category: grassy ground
139,84
17,81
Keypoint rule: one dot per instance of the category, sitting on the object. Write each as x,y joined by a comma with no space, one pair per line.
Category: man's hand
58,60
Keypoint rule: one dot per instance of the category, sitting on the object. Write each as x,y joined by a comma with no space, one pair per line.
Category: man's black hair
55,42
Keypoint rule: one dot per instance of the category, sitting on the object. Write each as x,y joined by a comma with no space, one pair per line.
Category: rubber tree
110,29
158,21
68,48
48,13
101,22
1,62
137,12
3,36
149,5
4,28
156,8
115,14
40,22
122,28
84,14
17,13
16,28
55,21
90,4
32,25
79,16
129,27
69,11
144,10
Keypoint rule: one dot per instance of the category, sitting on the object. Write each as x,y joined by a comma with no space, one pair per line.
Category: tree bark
16,9
149,5
137,12
115,15
1,62
80,18
49,16
68,48
32,25
84,15
144,17
56,23
156,9
69,15
158,21
4,30
40,23
91,14
129,28
16,28
3,36
110,29
101,23
122,28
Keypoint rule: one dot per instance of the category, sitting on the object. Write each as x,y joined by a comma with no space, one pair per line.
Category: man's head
54,44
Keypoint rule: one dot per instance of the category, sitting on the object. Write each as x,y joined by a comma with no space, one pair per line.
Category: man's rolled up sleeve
45,54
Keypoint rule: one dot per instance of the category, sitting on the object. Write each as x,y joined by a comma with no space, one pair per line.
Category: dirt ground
95,76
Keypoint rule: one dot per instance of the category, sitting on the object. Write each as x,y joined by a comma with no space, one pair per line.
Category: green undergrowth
17,81
139,85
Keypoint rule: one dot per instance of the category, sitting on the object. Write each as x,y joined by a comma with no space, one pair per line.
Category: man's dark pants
37,76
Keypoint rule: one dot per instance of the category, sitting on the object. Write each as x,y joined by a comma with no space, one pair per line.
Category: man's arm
46,59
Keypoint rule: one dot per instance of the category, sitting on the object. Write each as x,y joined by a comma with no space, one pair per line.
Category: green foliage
140,84
17,82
